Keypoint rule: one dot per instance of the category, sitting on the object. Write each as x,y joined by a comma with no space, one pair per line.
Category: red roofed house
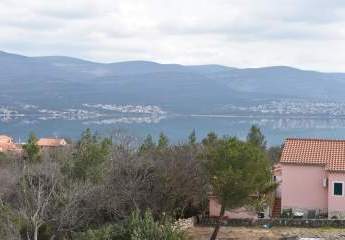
312,176
51,142
7,144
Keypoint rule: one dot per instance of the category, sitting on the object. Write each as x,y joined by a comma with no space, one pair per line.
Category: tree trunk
217,227
36,233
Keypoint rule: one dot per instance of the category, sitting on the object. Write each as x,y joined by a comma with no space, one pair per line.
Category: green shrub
146,228
104,233
137,227
143,228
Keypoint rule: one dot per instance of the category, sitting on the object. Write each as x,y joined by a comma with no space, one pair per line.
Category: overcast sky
309,34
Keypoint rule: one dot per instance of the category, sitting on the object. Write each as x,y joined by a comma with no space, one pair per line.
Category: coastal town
291,107
172,120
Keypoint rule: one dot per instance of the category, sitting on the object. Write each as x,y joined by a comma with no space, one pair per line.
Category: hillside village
86,114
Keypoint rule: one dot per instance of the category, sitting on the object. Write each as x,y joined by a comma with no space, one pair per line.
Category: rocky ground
275,233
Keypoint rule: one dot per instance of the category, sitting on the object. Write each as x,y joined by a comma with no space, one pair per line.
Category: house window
338,188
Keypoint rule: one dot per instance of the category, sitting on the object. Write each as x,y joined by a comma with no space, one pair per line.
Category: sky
308,34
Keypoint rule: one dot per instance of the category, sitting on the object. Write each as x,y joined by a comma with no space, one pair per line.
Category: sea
176,127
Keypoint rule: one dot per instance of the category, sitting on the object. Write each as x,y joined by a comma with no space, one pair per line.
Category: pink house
312,177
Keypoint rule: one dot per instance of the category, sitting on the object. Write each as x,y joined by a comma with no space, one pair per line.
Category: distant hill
65,82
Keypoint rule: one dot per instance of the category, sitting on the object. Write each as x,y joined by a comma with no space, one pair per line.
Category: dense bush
103,233
136,227
56,193
99,182
9,223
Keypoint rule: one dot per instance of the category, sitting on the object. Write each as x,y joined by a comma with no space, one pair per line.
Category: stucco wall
336,204
302,187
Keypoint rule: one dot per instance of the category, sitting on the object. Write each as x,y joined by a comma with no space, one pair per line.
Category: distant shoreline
107,115
267,116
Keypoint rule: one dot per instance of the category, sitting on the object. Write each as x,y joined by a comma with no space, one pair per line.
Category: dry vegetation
52,194
90,189
275,233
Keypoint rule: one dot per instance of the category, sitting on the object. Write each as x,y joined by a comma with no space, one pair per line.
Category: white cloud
242,33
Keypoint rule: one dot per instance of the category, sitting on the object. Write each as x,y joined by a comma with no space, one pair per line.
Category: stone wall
336,215
312,223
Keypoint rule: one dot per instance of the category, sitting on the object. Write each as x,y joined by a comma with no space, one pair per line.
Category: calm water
179,127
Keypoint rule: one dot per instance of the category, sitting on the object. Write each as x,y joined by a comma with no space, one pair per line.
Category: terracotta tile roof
51,142
7,144
330,153
5,139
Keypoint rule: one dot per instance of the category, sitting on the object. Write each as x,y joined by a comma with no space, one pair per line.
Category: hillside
64,82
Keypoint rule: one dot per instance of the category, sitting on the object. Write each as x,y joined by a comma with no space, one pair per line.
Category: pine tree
256,138
163,141
236,169
192,137
147,144
89,157
31,149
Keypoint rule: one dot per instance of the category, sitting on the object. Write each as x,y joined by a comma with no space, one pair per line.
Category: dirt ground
275,233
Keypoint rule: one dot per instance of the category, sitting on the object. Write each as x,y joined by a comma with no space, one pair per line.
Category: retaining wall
311,223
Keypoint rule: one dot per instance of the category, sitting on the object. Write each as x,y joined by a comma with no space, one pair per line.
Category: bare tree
180,180
36,194
77,202
128,185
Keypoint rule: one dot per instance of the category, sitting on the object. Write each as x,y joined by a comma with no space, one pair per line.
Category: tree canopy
256,137
89,156
163,141
31,148
148,144
237,170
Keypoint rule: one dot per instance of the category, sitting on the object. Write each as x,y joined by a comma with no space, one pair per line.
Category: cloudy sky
308,34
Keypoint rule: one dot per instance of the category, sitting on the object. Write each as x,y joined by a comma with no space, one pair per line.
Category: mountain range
65,82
